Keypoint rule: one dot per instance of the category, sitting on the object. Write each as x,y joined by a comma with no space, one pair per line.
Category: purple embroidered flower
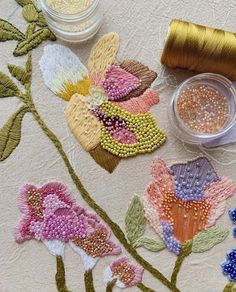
51,215
184,199
126,273
229,266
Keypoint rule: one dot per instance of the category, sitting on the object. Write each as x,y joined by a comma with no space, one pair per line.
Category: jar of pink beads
203,108
73,20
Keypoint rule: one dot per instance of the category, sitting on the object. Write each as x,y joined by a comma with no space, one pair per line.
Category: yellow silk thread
200,48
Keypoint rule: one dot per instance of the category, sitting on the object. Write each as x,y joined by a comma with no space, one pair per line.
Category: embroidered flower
185,199
229,266
126,273
119,92
51,215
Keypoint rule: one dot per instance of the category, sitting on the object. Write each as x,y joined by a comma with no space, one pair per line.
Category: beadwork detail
126,273
51,215
176,209
229,266
143,126
101,113
119,83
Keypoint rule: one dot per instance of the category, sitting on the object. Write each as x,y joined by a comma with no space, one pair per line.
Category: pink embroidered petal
127,273
162,176
216,195
22,230
118,82
141,104
60,190
125,136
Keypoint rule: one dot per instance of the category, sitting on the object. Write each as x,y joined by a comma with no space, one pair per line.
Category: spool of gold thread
200,48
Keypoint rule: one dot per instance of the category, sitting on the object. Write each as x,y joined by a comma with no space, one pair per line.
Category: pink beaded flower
108,103
184,199
51,215
126,273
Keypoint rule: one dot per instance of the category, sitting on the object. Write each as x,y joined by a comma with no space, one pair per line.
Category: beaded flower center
187,218
124,272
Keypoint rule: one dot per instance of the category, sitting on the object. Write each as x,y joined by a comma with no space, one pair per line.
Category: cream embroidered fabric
142,26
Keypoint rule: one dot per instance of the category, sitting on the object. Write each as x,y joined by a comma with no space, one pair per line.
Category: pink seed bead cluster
116,126
118,83
63,228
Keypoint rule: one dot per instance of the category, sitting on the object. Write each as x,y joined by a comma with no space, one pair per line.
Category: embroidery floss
200,48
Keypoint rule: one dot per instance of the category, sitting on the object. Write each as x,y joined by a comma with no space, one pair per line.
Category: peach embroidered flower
126,273
185,199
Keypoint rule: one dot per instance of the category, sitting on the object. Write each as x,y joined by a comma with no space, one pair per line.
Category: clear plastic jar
76,27
215,81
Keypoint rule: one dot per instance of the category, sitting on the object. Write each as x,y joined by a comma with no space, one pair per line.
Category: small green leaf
150,244
33,41
19,73
41,20
30,30
208,238
10,133
23,2
30,13
135,220
9,32
7,86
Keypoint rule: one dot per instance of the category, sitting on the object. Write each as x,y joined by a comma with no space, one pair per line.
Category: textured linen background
142,26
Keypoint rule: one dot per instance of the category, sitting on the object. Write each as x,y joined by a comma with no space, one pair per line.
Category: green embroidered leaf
33,41
135,220
30,30
41,20
23,2
150,244
9,32
19,73
7,86
10,133
208,238
30,13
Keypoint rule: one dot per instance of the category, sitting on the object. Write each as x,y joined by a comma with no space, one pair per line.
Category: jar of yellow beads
203,108
73,20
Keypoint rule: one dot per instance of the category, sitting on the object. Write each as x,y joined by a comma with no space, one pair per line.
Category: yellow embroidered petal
85,127
103,54
81,87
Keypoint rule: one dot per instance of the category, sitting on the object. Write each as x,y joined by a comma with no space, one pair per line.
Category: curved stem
230,287
185,251
60,276
144,288
111,285
88,281
117,231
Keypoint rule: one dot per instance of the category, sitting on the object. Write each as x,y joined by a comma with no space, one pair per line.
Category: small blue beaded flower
229,266
232,216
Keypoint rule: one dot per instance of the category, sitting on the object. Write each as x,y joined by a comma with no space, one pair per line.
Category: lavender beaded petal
170,241
192,178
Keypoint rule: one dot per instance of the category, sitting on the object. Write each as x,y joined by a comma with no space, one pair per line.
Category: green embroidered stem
111,285
230,287
60,276
88,281
185,251
144,288
88,199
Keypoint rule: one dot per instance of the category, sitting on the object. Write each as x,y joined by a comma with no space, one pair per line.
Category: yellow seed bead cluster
148,134
69,6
